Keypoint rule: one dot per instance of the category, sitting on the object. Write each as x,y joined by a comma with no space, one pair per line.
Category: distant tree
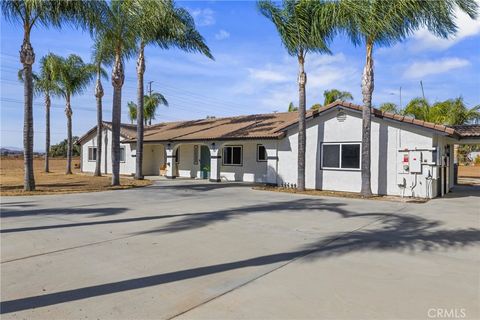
389,107
334,95
448,112
292,108
316,106
61,149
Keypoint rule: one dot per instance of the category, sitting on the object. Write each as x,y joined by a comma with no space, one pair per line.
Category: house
409,157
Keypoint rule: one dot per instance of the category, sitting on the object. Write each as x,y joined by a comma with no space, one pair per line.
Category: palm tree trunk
27,58
118,78
367,91
68,113
302,80
98,96
140,73
47,132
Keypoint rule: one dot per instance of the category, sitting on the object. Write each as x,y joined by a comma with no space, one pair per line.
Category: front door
204,162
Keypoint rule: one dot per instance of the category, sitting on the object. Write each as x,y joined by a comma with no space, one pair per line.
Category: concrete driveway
194,250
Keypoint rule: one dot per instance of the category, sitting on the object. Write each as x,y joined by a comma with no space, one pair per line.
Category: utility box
415,164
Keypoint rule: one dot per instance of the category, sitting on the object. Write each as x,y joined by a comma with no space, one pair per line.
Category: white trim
93,153
340,144
233,164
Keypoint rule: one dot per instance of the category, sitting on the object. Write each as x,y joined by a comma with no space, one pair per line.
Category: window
232,156
92,153
261,153
122,154
341,155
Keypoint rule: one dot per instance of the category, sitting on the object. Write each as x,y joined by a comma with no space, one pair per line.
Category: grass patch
56,181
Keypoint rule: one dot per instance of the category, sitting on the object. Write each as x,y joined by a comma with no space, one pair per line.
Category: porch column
170,161
271,147
215,161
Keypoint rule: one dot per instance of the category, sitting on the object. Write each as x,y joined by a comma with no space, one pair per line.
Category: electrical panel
415,163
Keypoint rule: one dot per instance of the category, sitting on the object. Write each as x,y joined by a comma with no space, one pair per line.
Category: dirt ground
11,178
469,171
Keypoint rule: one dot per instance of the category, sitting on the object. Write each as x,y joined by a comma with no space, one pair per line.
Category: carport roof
263,126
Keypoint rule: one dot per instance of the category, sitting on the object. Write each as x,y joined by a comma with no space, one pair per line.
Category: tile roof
468,131
262,126
127,131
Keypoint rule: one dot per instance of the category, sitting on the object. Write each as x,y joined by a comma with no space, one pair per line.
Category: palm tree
45,84
81,13
377,22
334,94
164,25
118,33
73,77
294,21
152,101
449,112
389,107
100,56
132,111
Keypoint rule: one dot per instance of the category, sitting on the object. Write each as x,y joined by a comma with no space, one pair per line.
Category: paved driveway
195,250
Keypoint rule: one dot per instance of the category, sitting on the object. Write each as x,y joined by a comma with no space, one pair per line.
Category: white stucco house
408,157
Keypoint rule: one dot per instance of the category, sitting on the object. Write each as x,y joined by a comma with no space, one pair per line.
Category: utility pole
423,92
150,88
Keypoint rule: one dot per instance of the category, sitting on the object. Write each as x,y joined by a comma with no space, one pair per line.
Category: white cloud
420,69
203,17
425,40
222,35
267,75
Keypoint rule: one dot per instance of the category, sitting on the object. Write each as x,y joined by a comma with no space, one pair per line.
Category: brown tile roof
262,126
127,131
468,131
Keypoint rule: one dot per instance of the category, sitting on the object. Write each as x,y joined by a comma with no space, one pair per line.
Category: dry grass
469,171
55,182
340,194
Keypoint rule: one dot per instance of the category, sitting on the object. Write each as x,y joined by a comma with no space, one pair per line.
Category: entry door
204,160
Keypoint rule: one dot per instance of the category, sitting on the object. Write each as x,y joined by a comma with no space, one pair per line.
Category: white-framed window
344,155
232,155
92,153
122,154
261,153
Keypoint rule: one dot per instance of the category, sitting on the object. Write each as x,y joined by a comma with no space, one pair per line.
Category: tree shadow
397,232
96,212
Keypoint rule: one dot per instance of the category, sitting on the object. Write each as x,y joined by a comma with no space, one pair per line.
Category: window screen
331,155
92,153
351,156
261,153
232,155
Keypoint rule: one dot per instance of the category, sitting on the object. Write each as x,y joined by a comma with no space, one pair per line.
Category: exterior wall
251,170
153,159
127,167
387,138
185,166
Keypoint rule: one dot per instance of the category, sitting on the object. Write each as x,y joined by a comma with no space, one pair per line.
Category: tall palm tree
73,77
376,22
118,33
294,21
100,56
334,94
164,25
31,13
45,84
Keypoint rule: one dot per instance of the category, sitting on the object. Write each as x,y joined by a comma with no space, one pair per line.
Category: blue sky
252,72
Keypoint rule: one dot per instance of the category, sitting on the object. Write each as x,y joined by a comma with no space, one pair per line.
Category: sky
252,72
